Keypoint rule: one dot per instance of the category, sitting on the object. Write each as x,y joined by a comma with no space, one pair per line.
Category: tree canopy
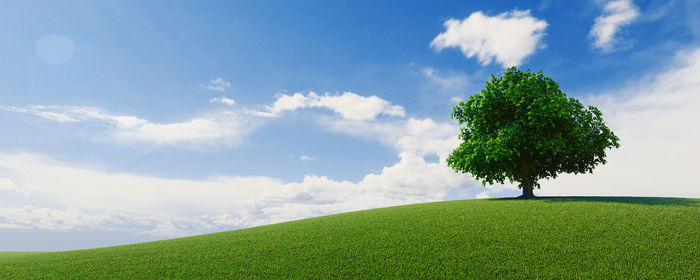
522,127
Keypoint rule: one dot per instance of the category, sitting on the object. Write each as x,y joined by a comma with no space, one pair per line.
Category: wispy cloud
216,127
616,14
41,111
307,158
226,127
223,100
218,84
508,38
452,82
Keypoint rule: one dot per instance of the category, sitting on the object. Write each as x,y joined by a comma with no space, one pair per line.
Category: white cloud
225,127
616,14
484,194
177,206
206,129
39,110
168,229
29,217
286,102
453,82
349,105
56,117
7,185
307,158
223,100
508,38
655,119
218,84
420,137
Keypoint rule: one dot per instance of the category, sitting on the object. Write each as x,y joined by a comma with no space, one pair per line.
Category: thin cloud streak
226,127
218,84
451,82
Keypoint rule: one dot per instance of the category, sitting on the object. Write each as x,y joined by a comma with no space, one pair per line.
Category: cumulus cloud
507,38
223,100
218,84
484,194
616,14
655,119
349,105
176,206
420,137
226,127
30,217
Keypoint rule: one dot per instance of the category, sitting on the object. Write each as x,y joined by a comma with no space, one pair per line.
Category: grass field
14,254
568,237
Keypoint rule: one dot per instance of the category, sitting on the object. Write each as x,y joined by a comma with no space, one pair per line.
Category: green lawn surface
554,238
14,254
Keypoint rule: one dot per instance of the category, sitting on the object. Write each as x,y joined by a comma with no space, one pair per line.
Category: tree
521,127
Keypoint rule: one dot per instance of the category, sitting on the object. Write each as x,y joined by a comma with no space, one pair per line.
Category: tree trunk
526,182
527,191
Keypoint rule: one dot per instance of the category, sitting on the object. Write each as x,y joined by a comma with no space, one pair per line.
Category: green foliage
544,238
521,127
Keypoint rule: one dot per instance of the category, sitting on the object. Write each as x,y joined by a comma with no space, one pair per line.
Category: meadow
554,237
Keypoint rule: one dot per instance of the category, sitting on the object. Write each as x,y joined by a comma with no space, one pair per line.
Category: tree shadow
616,199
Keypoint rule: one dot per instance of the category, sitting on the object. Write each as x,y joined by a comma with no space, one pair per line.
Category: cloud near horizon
659,157
507,38
86,198
177,207
660,147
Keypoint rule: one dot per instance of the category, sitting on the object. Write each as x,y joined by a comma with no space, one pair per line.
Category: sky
131,121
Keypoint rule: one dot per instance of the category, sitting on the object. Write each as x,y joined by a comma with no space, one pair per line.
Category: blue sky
132,121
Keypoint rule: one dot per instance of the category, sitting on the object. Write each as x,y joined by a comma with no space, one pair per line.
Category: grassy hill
568,237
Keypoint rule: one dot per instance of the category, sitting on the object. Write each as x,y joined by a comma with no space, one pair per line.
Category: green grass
561,238
14,254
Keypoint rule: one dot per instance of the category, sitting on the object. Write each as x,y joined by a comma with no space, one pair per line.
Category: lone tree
521,127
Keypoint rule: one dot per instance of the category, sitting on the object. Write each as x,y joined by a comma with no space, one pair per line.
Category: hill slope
570,237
